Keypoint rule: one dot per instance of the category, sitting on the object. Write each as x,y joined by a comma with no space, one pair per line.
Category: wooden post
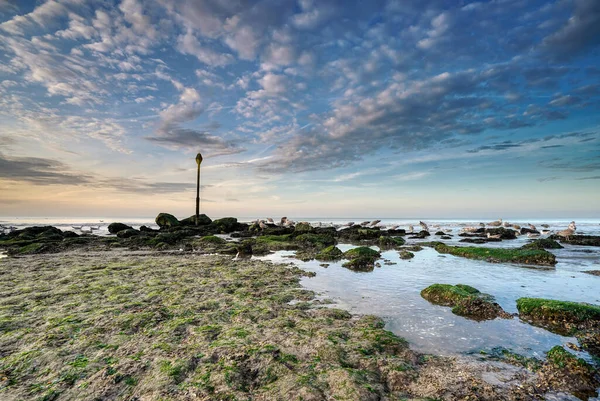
198,161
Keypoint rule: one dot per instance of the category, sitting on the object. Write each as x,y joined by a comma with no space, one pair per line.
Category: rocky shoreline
153,314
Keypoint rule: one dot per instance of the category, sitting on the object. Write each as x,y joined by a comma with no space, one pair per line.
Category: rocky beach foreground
181,313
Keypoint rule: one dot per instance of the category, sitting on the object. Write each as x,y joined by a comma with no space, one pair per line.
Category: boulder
303,228
146,229
130,232
329,253
166,220
114,228
543,243
202,220
504,233
226,224
528,231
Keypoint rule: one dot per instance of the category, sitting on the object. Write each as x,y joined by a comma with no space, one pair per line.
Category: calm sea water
393,291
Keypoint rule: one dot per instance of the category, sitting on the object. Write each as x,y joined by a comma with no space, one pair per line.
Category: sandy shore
149,325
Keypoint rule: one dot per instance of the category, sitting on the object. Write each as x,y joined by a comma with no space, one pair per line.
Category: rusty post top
198,158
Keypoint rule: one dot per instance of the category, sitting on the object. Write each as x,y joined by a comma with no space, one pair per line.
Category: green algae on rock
391,242
539,257
404,254
576,375
166,220
566,318
200,220
362,258
543,243
558,312
465,301
330,253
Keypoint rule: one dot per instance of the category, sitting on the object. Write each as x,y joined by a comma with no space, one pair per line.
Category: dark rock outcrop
114,228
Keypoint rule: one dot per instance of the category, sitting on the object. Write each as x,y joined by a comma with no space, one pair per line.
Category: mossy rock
212,239
316,240
543,243
226,224
166,220
554,312
391,242
504,233
130,232
192,221
404,254
539,257
360,264
583,240
447,294
361,258
303,228
330,253
362,252
563,369
276,242
465,301
114,228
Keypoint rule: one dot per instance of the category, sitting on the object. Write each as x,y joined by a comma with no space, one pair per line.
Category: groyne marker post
198,161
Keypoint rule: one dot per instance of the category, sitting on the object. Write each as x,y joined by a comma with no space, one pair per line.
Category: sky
326,108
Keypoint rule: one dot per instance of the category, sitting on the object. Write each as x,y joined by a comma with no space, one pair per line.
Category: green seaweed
500,255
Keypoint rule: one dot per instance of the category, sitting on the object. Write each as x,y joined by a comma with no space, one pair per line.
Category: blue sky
305,108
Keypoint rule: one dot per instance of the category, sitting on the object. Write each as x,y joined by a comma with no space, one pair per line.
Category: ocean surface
392,291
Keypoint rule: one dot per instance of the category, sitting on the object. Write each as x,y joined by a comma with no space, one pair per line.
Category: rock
504,233
303,228
358,234
315,240
391,242
422,234
404,254
361,258
330,253
396,232
528,231
592,272
563,369
114,228
244,249
440,233
446,237
166,220
582,240
146,229
500,255
559,313
543,243
128,233
475,240
465,301
202,220
226,225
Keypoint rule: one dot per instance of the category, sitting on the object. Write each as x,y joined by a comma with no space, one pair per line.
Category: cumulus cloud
189,44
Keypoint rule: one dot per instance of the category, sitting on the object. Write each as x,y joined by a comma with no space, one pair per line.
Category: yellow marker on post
198,161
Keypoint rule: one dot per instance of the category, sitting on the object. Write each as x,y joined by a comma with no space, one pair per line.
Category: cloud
39,171
273,84
596,177
175,137
580,33
189,44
